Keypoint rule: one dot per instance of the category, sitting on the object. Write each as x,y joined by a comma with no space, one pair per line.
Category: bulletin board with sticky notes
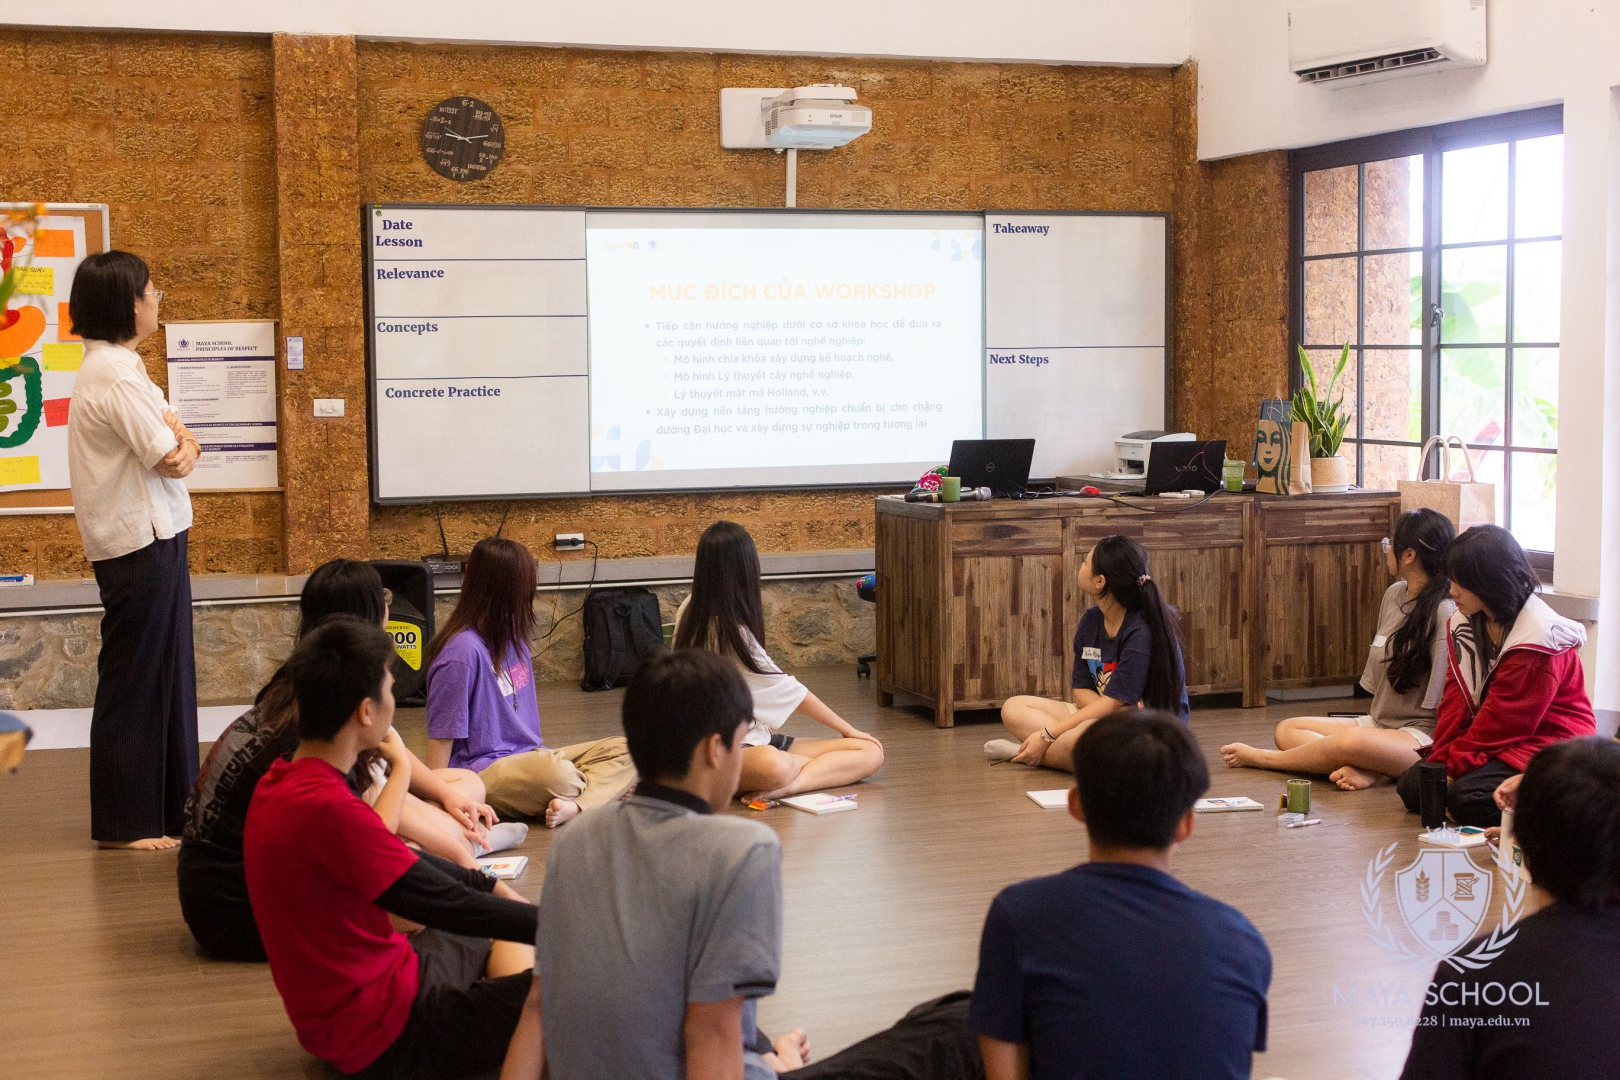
40,356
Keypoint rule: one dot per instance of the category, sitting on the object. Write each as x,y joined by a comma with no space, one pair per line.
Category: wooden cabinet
978,602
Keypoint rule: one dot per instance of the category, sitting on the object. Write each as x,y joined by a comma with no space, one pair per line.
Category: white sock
997,750
508,834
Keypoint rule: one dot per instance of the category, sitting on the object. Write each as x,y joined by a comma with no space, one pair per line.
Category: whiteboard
476,330
1076,333
479,344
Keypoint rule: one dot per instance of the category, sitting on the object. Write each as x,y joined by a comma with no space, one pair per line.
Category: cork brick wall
642,129
177,134
237,165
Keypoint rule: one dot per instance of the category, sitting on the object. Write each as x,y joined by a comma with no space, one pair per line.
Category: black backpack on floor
622,628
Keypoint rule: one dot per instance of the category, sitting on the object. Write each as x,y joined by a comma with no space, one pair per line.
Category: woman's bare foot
151,843
559,811
1243,756
1351,778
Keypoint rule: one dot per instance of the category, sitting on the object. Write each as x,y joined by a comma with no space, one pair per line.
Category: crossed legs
810,765
1025,715
433,828
1353,757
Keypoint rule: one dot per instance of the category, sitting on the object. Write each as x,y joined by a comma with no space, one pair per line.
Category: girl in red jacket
1514,682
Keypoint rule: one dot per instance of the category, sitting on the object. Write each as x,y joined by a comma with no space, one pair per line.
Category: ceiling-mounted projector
817,117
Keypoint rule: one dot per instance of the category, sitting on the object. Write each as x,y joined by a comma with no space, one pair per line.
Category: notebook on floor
1226,805
821,803
1053,799
504,867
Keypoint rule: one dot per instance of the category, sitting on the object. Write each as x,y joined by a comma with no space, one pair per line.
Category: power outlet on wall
570,542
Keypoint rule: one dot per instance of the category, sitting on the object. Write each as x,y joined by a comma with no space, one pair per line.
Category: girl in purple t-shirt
482,713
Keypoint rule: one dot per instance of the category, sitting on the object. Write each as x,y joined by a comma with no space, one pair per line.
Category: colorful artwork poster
39,353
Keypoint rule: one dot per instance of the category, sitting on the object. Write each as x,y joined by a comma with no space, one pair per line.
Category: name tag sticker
1378,642
1089,653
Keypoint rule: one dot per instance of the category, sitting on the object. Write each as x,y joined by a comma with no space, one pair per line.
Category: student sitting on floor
324,874
1405,673
1544,1008
662,921
213,891
724,615
1515,685
483,716
1127,652
1114,969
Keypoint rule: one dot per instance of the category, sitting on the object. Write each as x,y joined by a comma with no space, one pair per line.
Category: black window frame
1429,144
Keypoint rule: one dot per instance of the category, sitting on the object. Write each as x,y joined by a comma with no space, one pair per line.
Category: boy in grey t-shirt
661,921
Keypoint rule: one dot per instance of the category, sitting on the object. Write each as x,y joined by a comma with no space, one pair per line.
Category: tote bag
1466,502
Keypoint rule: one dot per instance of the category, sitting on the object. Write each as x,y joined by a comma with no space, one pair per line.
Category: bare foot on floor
1243,756
559,811
151,843
1351,778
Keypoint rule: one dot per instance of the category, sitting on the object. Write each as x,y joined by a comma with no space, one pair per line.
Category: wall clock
462,138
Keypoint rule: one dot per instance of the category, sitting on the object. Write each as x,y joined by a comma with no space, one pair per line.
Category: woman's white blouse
776,694
116,434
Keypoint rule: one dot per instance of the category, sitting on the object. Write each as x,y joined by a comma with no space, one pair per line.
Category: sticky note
56,410
64,324
19,470
53,243
62,355
36,281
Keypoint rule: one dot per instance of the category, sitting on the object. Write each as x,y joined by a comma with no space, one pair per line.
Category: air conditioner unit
1335,40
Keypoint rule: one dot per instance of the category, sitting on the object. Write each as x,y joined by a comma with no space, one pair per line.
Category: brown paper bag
1466,502
1282,453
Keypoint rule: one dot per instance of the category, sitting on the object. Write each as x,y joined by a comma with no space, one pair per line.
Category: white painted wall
1541,52
1045,31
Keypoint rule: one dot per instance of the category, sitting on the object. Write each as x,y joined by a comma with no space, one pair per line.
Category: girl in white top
1405,673
723,614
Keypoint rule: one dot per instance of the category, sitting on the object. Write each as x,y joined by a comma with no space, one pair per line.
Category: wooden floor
884,905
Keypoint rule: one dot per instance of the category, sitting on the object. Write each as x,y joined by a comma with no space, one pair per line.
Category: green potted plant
1325,419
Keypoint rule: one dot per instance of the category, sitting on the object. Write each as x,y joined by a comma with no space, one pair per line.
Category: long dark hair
1123,564
1411,648
340,587
1489,563
725,595
497,599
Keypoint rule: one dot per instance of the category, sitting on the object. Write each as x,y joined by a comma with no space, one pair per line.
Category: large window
1435,255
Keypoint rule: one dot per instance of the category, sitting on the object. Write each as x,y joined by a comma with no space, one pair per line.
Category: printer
1131,452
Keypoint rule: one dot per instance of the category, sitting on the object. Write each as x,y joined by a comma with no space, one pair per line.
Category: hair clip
1144,579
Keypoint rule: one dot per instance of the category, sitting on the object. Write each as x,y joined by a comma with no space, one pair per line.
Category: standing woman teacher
127,455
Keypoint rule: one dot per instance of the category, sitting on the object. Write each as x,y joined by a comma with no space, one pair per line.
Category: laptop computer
1184,466
1002,465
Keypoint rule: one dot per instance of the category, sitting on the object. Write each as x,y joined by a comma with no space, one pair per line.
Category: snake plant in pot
1325,419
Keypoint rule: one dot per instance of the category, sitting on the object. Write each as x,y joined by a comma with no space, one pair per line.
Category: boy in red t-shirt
324,872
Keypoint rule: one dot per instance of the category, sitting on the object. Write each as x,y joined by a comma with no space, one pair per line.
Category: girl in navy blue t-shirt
1127,652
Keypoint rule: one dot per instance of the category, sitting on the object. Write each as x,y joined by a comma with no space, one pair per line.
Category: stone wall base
49,661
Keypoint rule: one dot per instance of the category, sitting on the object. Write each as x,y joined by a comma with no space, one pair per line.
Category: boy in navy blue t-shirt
1114,968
